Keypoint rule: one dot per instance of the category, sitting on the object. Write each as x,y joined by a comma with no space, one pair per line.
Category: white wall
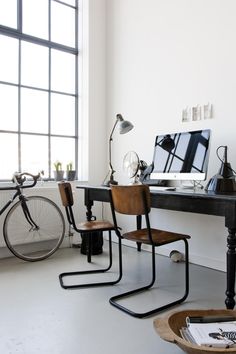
96,90
164,55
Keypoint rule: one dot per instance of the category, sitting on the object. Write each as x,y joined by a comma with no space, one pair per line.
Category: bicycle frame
18,188
17,193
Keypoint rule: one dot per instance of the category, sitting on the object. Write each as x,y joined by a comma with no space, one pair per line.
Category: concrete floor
38,316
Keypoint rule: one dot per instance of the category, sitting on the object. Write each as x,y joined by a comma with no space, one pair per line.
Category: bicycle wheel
31,243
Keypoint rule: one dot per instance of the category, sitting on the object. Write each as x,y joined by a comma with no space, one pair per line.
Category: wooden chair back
66,193
131,200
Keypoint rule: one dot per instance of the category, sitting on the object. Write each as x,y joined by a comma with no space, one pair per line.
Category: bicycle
34,226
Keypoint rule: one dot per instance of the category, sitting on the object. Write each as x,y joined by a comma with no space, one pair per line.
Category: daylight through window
38,85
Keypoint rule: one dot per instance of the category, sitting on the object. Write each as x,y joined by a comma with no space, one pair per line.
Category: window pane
9,143
8,59
63,24
9,107
34,65
34,111
8,13
63,150
63,72
35,18
34,154
63,114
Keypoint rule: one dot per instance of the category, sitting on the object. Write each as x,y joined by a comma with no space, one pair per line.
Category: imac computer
181,156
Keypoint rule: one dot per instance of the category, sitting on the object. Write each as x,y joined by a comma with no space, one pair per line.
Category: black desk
189,201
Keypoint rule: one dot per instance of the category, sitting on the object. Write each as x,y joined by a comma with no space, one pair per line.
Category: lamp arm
110,140
114,126
110,165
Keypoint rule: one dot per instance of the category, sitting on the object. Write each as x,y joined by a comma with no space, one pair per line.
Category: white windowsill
44,184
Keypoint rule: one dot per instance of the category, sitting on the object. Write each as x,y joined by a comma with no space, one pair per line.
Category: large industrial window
38,85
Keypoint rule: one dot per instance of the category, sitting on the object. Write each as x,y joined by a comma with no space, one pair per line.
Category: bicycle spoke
35,231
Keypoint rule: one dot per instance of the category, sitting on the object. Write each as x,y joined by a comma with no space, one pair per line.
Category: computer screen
181,156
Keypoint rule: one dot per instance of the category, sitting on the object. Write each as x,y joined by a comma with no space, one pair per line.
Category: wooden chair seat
96,225
159,237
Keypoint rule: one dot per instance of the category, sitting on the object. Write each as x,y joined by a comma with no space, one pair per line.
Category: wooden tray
168,329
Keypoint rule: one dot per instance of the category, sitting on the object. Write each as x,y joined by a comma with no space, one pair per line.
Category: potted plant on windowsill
70,173
58,173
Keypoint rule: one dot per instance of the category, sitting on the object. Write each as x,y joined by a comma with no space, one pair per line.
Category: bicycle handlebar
19,179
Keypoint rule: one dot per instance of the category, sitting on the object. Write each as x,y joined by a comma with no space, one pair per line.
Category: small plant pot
58,175
70,175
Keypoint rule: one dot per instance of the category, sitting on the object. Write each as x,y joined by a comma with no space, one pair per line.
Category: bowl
168,329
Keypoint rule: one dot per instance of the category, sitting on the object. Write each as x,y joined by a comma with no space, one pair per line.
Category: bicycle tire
28,243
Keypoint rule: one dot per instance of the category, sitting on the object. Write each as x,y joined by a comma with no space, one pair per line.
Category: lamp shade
224,181
125,127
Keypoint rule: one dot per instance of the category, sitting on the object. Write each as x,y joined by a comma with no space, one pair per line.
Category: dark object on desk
88,229
145,177
155,182
224,181
135,200
145,173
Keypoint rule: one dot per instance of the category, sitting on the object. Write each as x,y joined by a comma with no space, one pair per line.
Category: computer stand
193,185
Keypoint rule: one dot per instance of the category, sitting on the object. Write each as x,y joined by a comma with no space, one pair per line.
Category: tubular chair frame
113,300
67,201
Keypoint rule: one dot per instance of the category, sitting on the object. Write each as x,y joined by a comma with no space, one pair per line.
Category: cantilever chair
136,200
88,229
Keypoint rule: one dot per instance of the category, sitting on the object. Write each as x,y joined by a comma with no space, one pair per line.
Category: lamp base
110,182
220,184
111,178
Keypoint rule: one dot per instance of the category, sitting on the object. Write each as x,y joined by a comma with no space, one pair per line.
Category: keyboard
161,188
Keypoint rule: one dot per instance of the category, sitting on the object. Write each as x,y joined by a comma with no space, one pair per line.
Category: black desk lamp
124,127
224,181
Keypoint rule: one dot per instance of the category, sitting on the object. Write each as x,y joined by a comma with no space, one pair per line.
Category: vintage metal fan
131,164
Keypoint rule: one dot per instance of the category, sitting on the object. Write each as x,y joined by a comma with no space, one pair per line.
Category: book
186,335
211,334
210,319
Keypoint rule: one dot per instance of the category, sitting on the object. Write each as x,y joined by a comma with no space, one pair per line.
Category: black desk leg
88,203
231,260
139,226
